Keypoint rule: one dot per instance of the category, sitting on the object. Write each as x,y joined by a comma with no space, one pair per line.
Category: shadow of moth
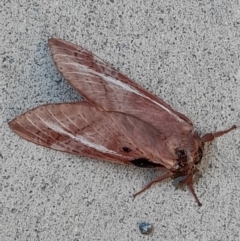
118,120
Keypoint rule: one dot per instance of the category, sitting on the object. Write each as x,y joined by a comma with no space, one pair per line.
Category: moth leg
158,179
189,183
211,136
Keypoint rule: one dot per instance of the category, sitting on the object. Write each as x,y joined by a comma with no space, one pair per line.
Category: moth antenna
158,179
211,136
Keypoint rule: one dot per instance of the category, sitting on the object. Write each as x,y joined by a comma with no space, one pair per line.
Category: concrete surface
186,52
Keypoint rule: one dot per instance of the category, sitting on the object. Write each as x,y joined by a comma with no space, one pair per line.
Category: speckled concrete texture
187,53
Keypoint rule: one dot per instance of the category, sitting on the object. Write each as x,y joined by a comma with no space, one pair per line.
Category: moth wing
83,129
105,87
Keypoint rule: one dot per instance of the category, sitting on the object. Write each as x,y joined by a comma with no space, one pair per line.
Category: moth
118,120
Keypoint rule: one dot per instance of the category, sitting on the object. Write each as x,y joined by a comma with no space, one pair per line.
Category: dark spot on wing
145,163
126,149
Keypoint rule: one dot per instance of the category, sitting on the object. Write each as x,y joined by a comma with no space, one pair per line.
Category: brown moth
118,121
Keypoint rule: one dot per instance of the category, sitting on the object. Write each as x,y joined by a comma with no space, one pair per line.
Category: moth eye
199,157
181,154
126,149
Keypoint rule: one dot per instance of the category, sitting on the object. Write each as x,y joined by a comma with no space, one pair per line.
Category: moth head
189,153
195,150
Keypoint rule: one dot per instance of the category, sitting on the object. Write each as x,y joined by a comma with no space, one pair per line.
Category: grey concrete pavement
187,53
